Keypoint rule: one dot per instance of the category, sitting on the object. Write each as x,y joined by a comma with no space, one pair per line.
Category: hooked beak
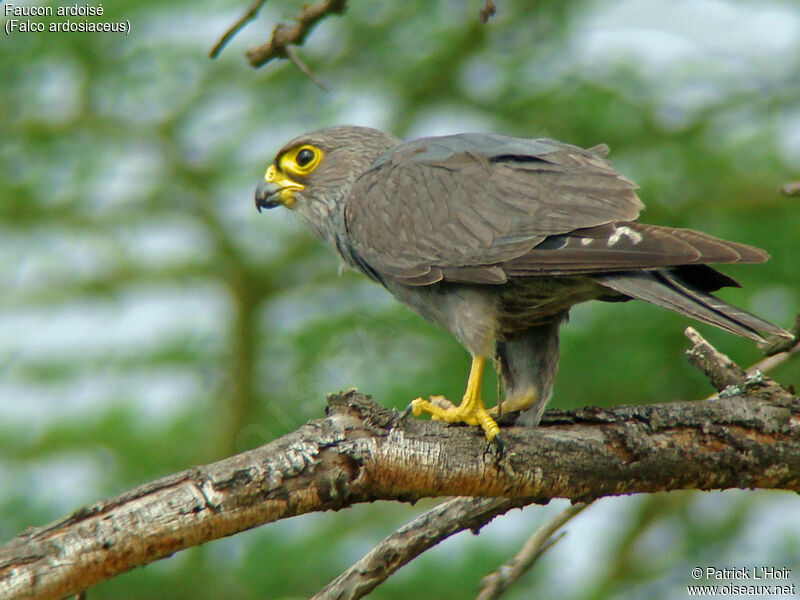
276,190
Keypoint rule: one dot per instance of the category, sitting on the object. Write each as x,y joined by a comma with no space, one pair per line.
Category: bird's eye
302,160
304,157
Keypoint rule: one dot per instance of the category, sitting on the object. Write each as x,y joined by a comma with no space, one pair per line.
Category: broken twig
720,369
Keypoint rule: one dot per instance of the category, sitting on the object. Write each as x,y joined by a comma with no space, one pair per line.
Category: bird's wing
460,207
623,246
482,208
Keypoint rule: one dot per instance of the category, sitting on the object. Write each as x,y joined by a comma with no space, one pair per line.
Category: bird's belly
467,311
533,301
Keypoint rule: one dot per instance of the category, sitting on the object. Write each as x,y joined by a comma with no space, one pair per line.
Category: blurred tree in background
150,319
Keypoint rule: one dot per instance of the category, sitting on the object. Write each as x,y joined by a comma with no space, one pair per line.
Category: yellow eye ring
301,160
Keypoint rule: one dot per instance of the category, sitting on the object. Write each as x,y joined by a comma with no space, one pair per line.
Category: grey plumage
495,238
477,201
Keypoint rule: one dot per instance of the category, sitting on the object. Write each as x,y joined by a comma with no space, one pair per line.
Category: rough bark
362,452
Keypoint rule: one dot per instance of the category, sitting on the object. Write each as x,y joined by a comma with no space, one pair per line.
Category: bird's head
313,173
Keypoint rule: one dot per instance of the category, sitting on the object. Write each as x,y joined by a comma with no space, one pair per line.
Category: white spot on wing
634,236
586,241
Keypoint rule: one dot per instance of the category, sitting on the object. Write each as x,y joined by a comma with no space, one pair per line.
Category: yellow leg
471,411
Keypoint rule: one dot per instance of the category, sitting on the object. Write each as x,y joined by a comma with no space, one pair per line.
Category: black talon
499,444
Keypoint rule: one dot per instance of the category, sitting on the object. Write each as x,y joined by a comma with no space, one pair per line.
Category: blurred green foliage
150,319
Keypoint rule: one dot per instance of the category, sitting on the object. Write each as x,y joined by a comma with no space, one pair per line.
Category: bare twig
776,344
487,12
285,35
291,53
765,365
251,14
414,538
494,584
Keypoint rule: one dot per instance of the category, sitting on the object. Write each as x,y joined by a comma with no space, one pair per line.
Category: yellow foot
471,411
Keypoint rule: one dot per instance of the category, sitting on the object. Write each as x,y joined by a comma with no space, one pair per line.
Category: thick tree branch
460,513
362,452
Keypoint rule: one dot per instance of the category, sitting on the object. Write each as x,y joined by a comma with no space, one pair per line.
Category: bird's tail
667,288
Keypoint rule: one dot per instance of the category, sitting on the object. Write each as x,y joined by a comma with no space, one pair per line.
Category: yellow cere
276,176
